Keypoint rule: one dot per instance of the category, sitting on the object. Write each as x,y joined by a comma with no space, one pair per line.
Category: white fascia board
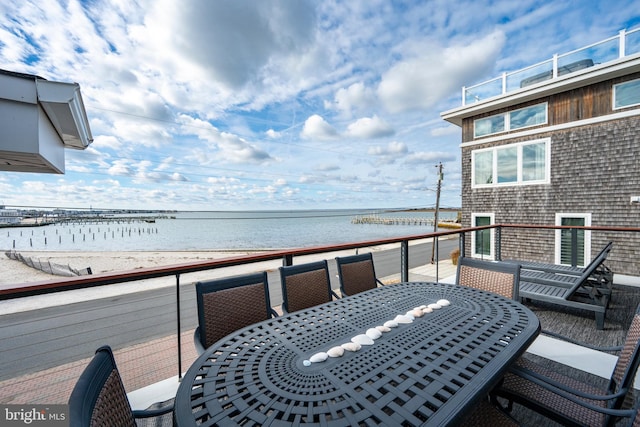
64,106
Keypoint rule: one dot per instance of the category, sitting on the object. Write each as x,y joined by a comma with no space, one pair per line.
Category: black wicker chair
228,304
305,285
99,398
486,414
498,277
357,274
570,401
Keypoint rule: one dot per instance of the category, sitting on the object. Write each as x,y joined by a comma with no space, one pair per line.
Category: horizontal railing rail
624,44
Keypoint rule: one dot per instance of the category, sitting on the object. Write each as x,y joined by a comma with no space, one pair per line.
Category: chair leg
599,321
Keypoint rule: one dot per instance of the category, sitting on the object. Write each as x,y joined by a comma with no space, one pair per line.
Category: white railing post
504,82
623,39
555,65
464,96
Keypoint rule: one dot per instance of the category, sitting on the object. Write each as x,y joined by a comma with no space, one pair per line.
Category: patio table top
430,371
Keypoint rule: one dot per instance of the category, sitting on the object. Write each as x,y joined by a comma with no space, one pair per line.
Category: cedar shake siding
582,158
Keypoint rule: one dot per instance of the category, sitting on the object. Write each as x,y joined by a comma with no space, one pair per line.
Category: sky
276,104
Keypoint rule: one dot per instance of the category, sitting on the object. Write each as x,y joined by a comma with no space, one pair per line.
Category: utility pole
435,215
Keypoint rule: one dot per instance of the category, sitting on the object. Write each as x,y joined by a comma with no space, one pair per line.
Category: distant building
9,216
556,143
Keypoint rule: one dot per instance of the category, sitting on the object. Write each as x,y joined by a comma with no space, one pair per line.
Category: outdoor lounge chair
99,398
305,285
228,304
357,274
570,290
601,275
498,277
560,396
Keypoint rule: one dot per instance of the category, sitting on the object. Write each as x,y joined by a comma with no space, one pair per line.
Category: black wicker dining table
429,365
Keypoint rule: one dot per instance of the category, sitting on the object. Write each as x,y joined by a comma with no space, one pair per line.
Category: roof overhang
585,77
39,119
63,104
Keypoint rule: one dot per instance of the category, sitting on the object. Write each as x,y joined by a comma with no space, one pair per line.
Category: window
517,119
569,251
626,94
482,240
514,164
483,167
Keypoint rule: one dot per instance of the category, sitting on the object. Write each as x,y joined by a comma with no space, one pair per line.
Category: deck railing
168,318
626,43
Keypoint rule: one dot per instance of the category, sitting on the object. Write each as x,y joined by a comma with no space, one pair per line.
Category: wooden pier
374,219
379,220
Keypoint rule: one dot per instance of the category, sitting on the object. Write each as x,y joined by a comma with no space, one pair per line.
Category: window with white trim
517,119
565,250
626,94
521,163
482,240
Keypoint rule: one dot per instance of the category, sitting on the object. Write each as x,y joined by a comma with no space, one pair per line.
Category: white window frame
587,235
492,220
519,181
507,120
613,97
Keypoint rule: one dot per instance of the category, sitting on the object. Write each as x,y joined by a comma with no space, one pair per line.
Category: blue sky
276,104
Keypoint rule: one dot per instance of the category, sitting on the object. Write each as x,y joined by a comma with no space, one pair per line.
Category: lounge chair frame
589,289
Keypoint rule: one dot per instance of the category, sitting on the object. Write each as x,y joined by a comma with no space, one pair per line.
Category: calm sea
186,231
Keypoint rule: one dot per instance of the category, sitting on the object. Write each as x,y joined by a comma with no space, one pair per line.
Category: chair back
99,397
626,366
502,278
228,304
356,273
305,285
596,262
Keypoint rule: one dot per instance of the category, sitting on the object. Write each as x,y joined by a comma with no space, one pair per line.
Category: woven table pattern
427,372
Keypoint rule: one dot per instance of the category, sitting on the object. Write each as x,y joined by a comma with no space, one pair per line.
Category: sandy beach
15,272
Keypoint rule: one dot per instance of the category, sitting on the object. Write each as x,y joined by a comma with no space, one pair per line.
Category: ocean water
186,231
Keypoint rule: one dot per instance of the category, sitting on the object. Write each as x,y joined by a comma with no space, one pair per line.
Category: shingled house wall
595,169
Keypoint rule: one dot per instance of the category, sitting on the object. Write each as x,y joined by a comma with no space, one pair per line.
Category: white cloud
315,127
389,154
421,80
369,127
356,98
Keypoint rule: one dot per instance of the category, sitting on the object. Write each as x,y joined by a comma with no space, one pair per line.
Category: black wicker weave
428,372
572,401
357,273
228,304
99,399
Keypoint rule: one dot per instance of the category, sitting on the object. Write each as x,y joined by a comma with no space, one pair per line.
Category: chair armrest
149,413
196,341
562,389
610,349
